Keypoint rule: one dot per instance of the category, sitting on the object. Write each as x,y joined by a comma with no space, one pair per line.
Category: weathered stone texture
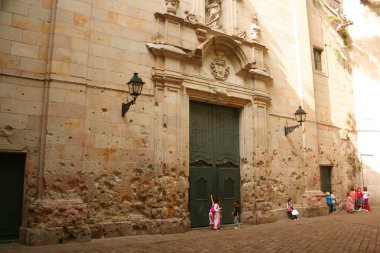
93,174
363,56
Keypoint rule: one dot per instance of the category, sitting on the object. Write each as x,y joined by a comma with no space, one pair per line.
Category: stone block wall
366,82
92,173
336,116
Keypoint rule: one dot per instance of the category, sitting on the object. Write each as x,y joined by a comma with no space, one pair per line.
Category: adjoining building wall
91,173
365,58
335,114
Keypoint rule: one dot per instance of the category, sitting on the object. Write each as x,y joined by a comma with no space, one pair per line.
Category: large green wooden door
214,160
11,191
325,178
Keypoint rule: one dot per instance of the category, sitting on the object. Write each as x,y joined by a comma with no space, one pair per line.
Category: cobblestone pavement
338,232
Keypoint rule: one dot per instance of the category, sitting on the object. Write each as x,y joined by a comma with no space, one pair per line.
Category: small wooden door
12,167
325,178
214,160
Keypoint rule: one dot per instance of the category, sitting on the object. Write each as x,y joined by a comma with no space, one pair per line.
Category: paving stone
336,233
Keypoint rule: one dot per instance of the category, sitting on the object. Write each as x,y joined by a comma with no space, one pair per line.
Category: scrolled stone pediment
166,49
260,72
224,44
255,71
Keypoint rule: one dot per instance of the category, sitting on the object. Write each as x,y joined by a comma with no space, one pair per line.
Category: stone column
59,214
247,175
171,163
254,160
199,9
313,198
262,172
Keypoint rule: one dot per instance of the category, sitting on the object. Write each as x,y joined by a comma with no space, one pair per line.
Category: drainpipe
362,168
45,105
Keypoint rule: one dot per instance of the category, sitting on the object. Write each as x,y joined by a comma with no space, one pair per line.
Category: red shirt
353,195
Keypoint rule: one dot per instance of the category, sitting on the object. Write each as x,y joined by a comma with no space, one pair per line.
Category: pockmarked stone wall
335,115
92,173
24,42
364,56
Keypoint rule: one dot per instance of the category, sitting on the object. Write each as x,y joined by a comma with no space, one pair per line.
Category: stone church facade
222,80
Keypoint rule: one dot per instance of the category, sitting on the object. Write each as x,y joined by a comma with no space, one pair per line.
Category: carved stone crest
219,68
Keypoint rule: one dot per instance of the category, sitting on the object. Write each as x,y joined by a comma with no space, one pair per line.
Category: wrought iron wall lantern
300,116
135,86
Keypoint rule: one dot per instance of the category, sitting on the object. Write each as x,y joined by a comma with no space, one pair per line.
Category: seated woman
293,213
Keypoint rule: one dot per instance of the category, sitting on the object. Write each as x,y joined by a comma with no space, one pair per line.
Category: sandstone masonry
91,173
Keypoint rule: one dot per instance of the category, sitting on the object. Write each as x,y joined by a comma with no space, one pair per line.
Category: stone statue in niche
219,68
213,12
171,6
254,27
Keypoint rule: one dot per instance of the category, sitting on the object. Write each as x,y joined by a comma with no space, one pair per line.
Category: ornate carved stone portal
224,69
219,68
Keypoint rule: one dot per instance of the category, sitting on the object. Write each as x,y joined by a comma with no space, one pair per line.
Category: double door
214,160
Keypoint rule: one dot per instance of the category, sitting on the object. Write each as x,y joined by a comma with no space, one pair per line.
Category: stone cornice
261,99
205,89
167,78
260,73
167,16
256,72
168,50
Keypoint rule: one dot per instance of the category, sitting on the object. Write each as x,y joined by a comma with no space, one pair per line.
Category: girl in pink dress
211,213
217,215
349,203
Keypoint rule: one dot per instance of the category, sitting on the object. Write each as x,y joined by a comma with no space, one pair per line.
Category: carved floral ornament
191,17
240,33
219,68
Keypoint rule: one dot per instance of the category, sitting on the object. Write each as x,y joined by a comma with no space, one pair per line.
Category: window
318,59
